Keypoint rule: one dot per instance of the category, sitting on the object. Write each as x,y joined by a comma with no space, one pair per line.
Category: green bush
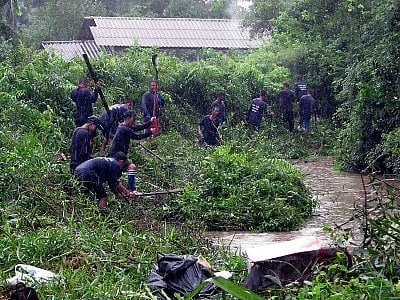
244,191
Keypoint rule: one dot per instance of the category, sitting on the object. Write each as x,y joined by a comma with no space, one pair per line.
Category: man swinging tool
151,104
152,101
84,99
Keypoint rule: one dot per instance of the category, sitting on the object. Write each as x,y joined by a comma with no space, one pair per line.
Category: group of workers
117,123
303,96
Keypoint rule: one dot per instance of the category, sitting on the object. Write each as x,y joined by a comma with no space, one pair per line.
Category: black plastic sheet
179,274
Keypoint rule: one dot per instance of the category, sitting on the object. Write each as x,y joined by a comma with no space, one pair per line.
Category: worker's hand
154,131
97,86
152,119
131,195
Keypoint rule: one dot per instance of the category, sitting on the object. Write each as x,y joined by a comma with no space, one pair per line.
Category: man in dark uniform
151,105
300,88
257,110
94,172
81,142
208,128
220,103
151,102
306,109
287,98
110,124
84,99
125,132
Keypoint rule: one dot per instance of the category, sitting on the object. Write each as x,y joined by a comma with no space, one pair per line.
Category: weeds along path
339,194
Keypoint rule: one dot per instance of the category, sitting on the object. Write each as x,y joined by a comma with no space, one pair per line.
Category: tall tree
9,10
59,20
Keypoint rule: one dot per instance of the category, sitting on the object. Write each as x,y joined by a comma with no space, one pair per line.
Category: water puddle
339,194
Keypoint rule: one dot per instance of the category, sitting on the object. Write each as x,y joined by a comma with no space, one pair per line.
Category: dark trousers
288,118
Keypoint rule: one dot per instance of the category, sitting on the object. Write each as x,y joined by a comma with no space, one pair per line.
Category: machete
96,80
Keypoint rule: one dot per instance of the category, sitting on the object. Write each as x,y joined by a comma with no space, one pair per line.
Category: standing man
94,172
257,110
151,104
84,99
125,132
306,109
300,88
81,144
208,128
110,125
220,103
287,98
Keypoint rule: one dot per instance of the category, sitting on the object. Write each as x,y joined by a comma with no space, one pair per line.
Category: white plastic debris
223,274
30,274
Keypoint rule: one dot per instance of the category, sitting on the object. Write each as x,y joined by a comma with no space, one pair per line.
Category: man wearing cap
125,132
84,99
220,103
94,172
110,124
257,110
81,142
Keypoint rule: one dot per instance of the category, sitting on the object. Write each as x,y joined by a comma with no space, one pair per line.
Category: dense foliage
245,190
42,204
346,50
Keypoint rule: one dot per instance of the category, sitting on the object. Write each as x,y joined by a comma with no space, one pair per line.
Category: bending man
94,172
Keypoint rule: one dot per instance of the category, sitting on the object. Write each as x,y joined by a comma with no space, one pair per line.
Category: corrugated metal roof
71,49
168,32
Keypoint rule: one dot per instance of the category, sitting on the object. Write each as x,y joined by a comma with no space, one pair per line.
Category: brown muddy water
339,194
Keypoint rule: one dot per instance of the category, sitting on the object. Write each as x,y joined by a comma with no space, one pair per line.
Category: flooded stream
336,191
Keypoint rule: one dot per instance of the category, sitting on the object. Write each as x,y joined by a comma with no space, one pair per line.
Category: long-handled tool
150,194
96,80
153,153
154,62
156,123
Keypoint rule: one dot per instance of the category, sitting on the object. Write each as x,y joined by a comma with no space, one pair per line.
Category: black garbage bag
179,274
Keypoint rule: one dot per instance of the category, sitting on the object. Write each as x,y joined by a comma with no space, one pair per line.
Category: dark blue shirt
81,147
83,99
210,130
256,111
123,137
306,106
147,105
117,115
99,170
287,98
300,89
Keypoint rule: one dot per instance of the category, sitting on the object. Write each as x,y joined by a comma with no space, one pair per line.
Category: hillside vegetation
346,50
